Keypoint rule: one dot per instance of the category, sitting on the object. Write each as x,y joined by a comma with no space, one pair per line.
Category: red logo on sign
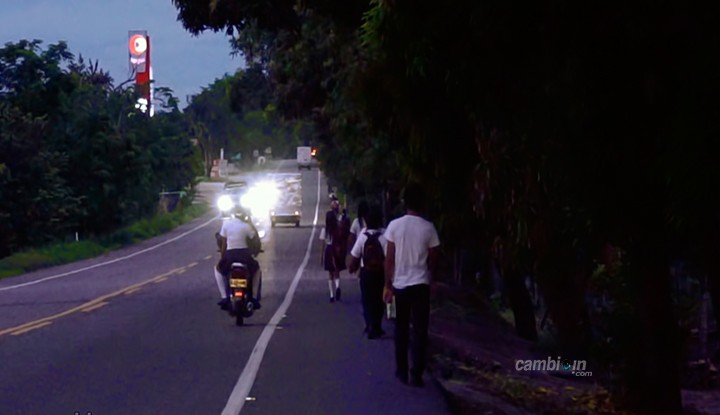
138,44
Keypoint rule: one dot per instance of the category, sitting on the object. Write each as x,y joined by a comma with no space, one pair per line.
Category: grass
211,179
64,253
527,393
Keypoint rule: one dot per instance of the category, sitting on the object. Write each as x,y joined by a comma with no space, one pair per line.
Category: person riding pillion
239,242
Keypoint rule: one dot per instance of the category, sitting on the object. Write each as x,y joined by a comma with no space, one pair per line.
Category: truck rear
304,157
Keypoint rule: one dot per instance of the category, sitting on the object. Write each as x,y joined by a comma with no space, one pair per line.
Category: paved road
142,334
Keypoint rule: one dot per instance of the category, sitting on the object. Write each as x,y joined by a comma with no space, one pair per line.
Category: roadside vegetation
77,157
67,252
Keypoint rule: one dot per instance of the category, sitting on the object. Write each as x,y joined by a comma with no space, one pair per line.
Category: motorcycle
240,292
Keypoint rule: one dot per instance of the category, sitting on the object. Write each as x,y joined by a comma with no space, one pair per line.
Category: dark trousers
371,289
412,305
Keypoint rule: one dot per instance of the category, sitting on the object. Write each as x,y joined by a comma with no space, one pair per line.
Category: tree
552,131
76,155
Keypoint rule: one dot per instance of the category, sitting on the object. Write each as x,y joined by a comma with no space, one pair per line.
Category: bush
64,253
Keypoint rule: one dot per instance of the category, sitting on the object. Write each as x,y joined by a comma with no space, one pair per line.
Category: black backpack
373,255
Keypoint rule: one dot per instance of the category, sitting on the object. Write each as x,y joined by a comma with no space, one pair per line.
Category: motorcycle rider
239,241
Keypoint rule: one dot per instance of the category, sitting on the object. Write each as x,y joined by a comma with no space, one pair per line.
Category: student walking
333,253
412,249
368,253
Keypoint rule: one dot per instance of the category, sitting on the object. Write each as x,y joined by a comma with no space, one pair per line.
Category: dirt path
474,361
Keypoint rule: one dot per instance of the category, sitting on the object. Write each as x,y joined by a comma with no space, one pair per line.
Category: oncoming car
285,214
231,196
236,185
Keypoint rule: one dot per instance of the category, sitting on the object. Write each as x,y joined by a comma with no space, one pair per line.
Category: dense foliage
236,113
75,154
563,140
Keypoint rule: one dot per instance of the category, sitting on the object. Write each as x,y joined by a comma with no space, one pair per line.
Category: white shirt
356,228
413,237
236,232
357,249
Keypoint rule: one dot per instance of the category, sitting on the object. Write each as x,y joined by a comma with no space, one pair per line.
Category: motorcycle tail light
238,294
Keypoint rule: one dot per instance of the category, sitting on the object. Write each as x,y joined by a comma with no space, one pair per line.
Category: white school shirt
357,249
236,232
413,236
356,228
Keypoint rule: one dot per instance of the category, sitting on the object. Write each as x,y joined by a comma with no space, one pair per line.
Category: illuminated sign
141,68
138,46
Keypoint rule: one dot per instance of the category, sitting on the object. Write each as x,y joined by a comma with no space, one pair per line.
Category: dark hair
362,212
374,218
414,196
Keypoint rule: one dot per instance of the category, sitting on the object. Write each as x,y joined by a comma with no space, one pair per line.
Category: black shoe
417,382
338,293
256,305
332,299
374,335
402,377
224,304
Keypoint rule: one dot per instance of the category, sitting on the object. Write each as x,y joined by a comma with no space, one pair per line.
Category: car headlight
261,198
225,203
246,200
297,213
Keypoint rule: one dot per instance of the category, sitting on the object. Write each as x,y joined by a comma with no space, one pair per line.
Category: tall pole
139,50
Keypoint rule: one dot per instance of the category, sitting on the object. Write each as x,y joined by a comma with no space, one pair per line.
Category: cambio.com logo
574,367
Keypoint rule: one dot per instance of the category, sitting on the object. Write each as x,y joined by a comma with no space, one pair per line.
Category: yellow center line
182,271
134,290
95,306
208,257
85,305
27,329
191,264
159,280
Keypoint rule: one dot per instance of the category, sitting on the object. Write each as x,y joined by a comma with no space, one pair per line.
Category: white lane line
65,274
242,388
27,329
95,306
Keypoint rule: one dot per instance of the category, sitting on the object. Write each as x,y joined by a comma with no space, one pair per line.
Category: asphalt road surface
138,331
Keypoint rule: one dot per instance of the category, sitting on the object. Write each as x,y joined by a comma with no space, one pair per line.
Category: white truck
304,157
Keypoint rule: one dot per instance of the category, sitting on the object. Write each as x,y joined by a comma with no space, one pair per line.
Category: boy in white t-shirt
412,249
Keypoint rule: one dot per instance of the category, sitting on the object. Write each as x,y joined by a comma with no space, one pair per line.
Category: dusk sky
98,29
